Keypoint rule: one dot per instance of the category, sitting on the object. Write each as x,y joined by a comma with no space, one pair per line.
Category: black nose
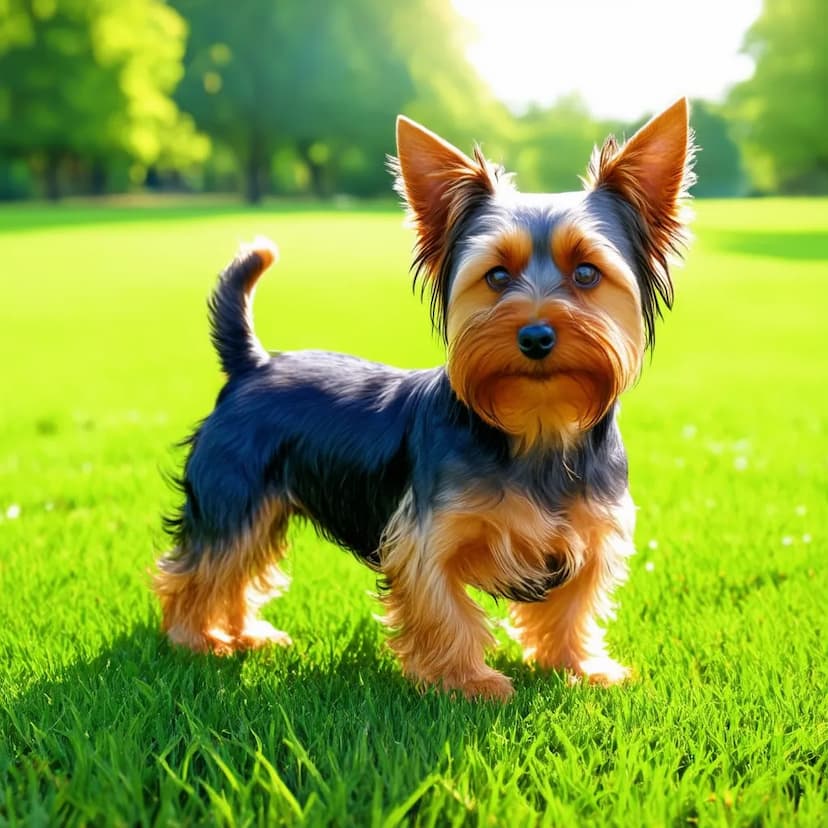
536,341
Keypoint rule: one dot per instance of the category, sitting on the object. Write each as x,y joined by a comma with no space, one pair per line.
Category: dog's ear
651,173
441,185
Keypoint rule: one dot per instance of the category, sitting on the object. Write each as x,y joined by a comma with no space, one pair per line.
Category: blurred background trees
85,99
299,97
781,113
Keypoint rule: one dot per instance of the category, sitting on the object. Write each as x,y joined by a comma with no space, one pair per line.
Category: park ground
106,364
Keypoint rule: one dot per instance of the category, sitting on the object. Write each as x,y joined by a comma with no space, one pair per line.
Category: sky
625,58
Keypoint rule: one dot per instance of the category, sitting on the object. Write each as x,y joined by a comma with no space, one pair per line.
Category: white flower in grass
13,512
740,463
787,540
649,566
801,510
652,544
689,431
806,538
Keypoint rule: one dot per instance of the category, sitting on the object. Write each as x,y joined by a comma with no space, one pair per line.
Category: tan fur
595,360
440,634
564,631
575,242
600,339
210,601
490,540
510,248
437,179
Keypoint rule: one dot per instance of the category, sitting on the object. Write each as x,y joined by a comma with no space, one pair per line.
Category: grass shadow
151,724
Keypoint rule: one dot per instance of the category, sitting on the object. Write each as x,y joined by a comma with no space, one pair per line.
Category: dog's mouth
542,370
538,372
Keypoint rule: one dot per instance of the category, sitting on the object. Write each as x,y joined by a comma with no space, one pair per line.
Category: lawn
106,364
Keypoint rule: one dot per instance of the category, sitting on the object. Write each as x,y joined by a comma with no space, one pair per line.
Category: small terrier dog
503,470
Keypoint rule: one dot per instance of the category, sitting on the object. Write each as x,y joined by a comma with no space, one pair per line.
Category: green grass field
106,364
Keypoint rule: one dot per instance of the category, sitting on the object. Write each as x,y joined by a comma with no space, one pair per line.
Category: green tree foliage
88,83
554,145
783,108
718,162
449,96
315,75
301,95
321,82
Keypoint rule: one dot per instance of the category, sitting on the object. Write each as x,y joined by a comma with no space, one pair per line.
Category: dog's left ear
652,172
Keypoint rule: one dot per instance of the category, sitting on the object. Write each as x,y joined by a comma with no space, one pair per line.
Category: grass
106,364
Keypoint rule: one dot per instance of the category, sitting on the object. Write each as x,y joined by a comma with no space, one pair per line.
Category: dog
503,470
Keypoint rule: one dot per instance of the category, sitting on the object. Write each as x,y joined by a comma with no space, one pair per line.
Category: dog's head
547,302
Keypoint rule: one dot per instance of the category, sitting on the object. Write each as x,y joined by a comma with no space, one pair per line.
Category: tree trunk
51,176
317,178
254,170
98,178
316,170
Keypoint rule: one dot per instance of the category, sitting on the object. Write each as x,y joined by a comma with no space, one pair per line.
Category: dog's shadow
319,717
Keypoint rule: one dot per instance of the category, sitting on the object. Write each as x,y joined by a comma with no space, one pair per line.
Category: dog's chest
510,546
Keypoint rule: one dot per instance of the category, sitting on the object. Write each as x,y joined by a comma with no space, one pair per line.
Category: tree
783,109
145,40
325,80
316,75
555,145
448,97
90,81
718,165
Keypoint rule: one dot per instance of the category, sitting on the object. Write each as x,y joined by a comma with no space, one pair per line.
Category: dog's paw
602,670
259,633
219,641
488,686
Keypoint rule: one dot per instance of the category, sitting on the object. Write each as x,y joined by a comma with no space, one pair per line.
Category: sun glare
623,59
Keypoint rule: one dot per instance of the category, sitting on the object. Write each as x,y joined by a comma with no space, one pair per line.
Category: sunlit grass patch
106,364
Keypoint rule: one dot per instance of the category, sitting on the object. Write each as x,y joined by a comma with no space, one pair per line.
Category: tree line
299,97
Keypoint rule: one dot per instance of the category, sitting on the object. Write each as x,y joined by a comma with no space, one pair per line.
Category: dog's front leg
439,633
564,631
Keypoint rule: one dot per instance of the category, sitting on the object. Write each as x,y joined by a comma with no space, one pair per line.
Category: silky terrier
503,470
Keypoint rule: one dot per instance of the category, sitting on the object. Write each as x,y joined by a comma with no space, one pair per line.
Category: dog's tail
230,308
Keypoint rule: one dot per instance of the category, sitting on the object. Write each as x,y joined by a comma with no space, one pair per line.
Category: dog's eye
586,275
498,279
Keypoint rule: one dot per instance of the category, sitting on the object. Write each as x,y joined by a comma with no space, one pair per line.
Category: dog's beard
549,400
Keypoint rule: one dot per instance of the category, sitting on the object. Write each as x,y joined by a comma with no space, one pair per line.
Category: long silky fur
434,252
657,238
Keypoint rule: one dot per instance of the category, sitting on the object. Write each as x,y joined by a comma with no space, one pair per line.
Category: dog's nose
536,341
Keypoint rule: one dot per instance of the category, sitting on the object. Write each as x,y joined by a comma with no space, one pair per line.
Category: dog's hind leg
211,593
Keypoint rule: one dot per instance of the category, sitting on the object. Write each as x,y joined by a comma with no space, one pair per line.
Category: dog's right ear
440,184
